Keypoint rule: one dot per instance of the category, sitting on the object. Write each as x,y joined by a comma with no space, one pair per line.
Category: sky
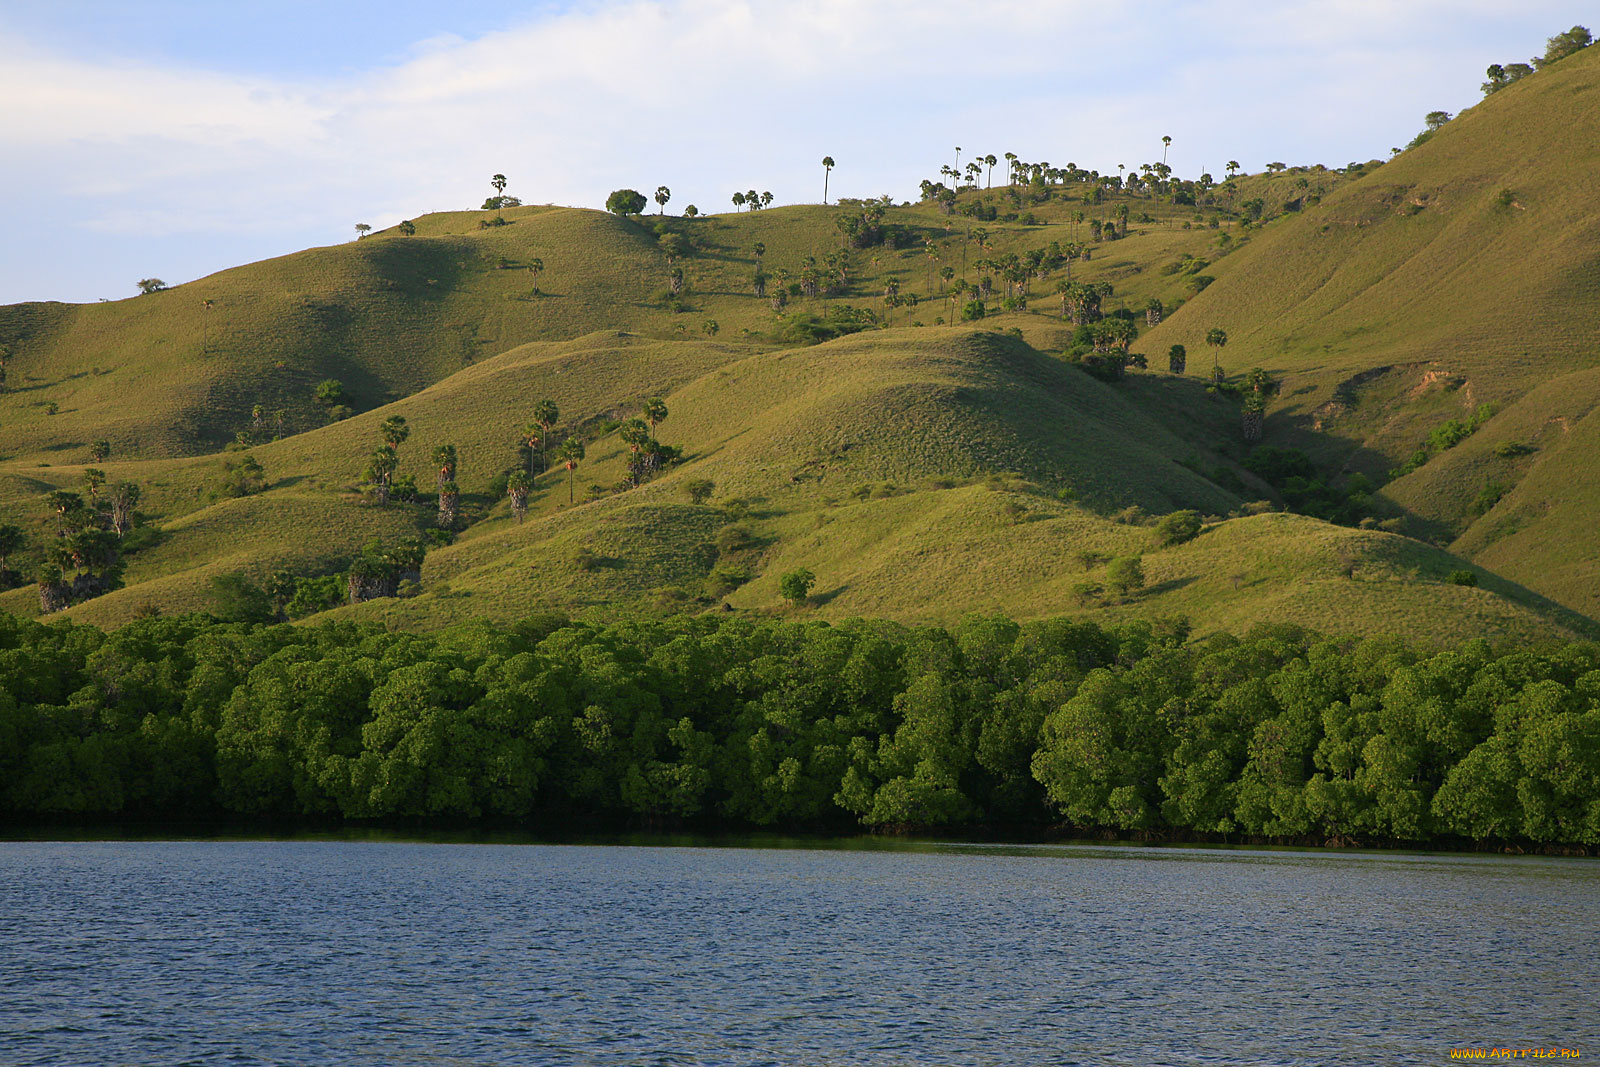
159,138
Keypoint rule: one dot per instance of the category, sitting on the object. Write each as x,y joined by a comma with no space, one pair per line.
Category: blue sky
175,139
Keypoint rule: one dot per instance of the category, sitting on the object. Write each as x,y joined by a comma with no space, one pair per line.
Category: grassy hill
1460,274
921,468
922,474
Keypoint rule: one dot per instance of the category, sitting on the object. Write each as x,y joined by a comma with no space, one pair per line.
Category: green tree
394,431
625,202
241,476
655,413
545,415
235,598
1217,339
330,391
498,181
636,435
1177,359
1125,574
827,170
796,586
444,458
63,504
699,490
381,467
663,194
1563,45
407,228
280,588
1177,527
1100,752
93,480
571,455
100,451
362,229
151,285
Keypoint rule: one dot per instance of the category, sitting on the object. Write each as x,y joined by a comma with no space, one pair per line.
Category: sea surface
388,953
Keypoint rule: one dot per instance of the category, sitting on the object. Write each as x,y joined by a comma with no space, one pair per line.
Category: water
388,953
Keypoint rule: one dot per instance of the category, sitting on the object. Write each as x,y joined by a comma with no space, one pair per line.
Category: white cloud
708,96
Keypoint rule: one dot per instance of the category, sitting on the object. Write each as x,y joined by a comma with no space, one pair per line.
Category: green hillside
1463,273
920,467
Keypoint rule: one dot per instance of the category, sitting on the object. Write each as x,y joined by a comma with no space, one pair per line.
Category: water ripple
267,953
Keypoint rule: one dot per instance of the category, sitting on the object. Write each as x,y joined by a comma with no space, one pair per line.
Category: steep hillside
1463,273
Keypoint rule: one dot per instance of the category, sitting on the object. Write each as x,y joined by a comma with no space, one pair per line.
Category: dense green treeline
805,725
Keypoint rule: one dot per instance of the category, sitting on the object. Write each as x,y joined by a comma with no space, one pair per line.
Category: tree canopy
626,202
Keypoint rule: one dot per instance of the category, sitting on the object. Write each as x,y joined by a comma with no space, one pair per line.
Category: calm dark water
311,953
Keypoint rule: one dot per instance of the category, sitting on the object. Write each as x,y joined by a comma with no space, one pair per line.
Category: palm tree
827,169
534,436
738,201
1216,338
205,325
444,457
449,498
517,486
1233,165
571,455
1177,359
760,249
655,412
990,161
380,472
100,451
635,434
93,479
499,183
1166,142
394,431
535,266
63,504
766,199
663,194
545,413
